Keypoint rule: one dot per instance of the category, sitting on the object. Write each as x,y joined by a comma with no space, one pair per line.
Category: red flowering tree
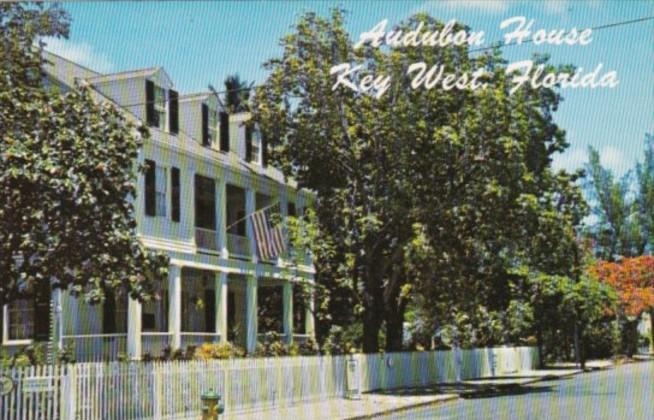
633,279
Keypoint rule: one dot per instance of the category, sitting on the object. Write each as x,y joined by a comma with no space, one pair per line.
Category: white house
206,172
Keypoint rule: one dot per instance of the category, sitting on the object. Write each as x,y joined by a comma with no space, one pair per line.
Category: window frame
6,340
160,106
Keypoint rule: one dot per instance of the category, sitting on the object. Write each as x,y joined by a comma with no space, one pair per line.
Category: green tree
617,231
430,192
67,177
645,195
237,94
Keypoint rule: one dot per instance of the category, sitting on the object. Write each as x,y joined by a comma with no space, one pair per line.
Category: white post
251,314
175,305
134,350
283,210
58,327
221,305
250,207
221,217
309,320
287,304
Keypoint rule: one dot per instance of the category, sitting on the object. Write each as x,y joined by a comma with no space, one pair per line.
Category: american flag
269,236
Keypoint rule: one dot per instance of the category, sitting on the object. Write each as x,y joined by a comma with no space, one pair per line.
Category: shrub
31,355
209,351
337,343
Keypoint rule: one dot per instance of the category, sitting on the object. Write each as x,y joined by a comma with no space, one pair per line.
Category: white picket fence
172,390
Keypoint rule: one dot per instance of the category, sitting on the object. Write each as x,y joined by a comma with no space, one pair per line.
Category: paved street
625,392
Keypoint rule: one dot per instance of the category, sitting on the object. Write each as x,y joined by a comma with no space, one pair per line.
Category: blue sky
201,42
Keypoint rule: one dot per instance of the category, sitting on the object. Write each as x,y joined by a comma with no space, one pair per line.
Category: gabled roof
201,96
147,72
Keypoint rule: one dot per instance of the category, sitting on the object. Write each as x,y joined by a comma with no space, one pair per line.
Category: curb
444,400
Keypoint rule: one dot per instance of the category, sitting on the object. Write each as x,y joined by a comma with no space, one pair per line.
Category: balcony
206,239
238,246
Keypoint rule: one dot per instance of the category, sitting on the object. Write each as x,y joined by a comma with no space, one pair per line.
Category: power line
496,44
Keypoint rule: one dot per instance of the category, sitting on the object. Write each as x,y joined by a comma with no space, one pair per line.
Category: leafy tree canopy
67,176
431,193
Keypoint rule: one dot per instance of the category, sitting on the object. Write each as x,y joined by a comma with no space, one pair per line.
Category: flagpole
257,211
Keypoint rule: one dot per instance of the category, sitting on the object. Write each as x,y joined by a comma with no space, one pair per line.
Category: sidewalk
368,406
391,401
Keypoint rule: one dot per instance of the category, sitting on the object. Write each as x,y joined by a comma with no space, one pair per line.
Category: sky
199,43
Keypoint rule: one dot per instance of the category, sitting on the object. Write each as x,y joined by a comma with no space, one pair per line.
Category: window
160,106
155,110
175,194
205,202
198,303
160,191
213,126
256,147
22,320
155,312
114,313
155,189
291,211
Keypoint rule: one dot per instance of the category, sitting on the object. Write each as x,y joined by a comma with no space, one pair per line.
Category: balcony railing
206,239
238,246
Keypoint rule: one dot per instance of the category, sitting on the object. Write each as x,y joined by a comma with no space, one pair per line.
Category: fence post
157,389
69,393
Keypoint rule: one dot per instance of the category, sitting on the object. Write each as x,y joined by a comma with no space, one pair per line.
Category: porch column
57,322
283,210
221,305
251,314
134,349
221,217
287,305
175,306
309,321
250,207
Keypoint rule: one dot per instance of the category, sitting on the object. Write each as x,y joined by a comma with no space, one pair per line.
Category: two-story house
206,171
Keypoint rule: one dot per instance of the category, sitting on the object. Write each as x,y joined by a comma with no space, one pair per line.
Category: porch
193,307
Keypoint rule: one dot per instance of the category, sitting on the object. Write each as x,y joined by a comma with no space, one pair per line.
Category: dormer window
160,107
209,125
253,145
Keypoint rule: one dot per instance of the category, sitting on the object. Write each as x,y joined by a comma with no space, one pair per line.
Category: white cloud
610,157
494,6
81,53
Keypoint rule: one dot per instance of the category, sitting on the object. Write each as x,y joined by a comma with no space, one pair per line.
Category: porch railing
198,338
238,246
96,347
206,239
154,343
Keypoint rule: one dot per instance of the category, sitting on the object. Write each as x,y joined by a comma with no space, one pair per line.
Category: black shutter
210,310
175,196
264,150
224,132
205,125
109,313
150,194
151,116
42,313
248,143
173,111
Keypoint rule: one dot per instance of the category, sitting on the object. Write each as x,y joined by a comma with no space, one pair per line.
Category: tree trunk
576,344
539,343
394,327
371,327
651,330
